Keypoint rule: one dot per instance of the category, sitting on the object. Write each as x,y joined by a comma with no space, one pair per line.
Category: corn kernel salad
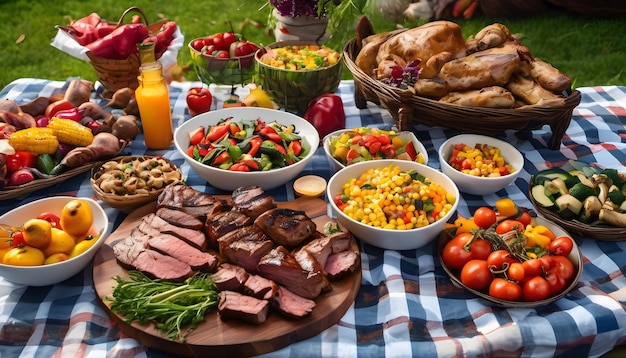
481,161
389,198
308,57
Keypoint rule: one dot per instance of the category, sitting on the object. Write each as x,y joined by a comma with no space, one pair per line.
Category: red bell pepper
19,160
120,43
326,114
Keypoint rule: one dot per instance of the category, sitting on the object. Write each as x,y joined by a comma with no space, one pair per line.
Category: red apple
199,100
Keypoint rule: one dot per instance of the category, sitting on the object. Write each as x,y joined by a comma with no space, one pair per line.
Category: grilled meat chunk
260,287
153,225
234,305
341,264
180,249
229,277
191,201
252,200
280,266
291,305
286,227
180,218
247,250
310,264
323,246
221,223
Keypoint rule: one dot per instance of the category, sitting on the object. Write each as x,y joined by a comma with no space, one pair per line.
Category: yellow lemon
84,245
76,217
55,258
61,242
37,233
24,256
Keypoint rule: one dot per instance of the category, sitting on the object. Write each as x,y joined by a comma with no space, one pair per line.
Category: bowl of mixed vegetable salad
348,146
480,164
243,146
295,72
392,204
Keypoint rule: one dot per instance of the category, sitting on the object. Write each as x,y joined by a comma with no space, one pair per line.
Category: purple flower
295,8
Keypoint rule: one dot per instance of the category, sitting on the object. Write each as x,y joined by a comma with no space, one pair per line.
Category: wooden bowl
125,195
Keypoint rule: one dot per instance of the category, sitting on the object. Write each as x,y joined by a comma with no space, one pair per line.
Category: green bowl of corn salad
295,72
392,204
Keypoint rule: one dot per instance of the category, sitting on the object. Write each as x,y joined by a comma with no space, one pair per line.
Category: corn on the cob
34,140
70,132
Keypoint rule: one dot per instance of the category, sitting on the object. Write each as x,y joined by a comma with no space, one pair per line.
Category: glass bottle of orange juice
153,100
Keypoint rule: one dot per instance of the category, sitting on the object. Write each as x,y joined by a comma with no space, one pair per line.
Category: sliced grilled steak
286,227
325,245
191,201
229,277
237,234
281,267
180,249
153,225
291,305
180,218
234,305
310,264
260,287
221,223
342,264
132,254
248,250
252,200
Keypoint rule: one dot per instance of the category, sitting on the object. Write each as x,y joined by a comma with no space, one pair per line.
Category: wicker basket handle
153,28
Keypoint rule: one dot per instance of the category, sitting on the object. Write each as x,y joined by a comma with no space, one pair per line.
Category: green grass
591,51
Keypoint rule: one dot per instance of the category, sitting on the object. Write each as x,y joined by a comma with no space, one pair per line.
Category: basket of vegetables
111,48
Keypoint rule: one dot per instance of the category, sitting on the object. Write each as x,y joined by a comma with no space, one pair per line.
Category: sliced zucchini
569,206
573,180
549,174
555,186
612,174
616,197
581,191
583,167
539,194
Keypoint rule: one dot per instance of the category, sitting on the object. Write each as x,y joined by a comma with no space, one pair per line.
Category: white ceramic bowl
384,238
231,180
419,147
480,185
53,273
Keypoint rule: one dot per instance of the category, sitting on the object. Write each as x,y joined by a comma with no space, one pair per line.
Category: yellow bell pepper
538,235
464,224
506,207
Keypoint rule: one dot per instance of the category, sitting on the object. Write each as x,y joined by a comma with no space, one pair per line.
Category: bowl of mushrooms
128,182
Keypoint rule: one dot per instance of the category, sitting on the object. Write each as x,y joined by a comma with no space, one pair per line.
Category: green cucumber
581,191
612,174
555,186
549,174
539,194
616,197
569,206
45,163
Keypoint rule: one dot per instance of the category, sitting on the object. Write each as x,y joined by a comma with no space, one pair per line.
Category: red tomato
221,54
475,274
209,49
499,257
516,271
18,239
199,100
505,289
463,248
559,271
484,217
228,38
532,267
218,42
197,44
561,246
51,218
525,218
481,249
509,225
535,289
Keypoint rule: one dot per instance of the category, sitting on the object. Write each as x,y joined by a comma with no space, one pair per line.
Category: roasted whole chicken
492,69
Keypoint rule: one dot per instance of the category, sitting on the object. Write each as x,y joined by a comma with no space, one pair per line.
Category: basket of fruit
432,75
295,72
223,58
111,48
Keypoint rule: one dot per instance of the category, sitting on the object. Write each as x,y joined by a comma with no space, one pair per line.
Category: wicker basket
603,233
405,107
128,202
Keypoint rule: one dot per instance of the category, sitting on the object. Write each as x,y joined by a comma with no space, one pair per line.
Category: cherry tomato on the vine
535,289
559,272
499,257
516,272
464,247
484,217
505,289
532,267
525,218
476,274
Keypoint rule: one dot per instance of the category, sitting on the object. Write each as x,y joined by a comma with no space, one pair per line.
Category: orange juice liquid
153,100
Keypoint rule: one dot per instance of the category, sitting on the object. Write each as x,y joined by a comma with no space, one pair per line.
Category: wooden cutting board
215,337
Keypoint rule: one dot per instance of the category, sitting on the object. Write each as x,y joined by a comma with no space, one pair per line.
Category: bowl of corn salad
392,204
295,72
480,164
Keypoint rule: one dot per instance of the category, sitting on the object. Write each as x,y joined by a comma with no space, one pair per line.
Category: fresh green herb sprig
171,306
